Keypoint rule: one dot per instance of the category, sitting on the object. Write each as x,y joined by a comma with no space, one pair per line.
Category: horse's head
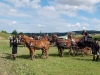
24,39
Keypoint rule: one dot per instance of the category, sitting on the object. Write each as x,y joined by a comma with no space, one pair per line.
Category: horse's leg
70,51
29,51
82,51
58,51
32,54
62,52
46,53
76,49
73,51
42,53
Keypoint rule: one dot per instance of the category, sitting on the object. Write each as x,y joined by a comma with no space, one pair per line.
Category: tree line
14,32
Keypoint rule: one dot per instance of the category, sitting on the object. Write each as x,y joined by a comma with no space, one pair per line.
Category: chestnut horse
76,47
33,45
84,46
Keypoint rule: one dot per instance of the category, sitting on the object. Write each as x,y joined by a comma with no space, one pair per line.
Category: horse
61,45
78,45
19,40
84,46
33,45
65,44
52,39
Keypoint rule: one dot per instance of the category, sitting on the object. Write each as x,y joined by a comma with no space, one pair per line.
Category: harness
35,43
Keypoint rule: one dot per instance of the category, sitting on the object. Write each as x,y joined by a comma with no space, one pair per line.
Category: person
85,35
95,49
69,36
14,48
72,39
84,32
46,36
11,40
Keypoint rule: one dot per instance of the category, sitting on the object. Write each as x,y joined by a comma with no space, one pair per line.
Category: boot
14,57
93,58
97,58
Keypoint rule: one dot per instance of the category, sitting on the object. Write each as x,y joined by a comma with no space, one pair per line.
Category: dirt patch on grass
1,38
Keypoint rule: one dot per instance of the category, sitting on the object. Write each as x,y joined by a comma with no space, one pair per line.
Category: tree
3,31
21,33
14,32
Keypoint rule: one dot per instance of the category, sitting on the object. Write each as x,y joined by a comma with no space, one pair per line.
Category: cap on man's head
96,39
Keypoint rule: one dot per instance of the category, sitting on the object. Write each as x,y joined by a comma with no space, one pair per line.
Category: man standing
95,50
14,49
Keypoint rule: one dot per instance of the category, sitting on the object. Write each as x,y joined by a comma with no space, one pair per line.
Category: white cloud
61,15
13,10
85,24
84,28
25,3
74,25
77,24
87,5
41,25
52,8
13,23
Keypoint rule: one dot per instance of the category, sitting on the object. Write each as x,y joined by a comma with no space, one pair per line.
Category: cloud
84,18
84,28
10,11
87,5
13,23
59,15
41,25
25,3
52,8
74,25
13,10
77,24
96,21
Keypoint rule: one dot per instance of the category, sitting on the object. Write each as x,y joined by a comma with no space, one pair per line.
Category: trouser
14,56
95,57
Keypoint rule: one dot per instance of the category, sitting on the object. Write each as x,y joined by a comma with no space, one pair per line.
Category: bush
3,31
96,37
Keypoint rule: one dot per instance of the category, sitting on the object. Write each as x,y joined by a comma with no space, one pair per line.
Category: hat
95,38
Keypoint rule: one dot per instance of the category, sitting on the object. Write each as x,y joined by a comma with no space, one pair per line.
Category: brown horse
33,45
75,47
65,44
83,47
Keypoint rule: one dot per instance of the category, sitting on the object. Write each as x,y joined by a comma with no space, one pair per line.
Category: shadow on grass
65,54
23,56
6,56
83,59
9,56
53,55
37,56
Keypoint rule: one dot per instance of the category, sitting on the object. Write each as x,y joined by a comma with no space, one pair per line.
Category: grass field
54,65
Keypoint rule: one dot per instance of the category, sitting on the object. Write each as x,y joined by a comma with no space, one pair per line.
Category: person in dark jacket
95,49
14,49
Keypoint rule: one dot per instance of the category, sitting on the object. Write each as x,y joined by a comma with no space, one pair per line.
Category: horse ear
22,35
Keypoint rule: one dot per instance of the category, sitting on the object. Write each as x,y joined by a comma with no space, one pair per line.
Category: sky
33,16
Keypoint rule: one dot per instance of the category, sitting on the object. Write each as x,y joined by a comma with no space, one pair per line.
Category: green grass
4,36
54,65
